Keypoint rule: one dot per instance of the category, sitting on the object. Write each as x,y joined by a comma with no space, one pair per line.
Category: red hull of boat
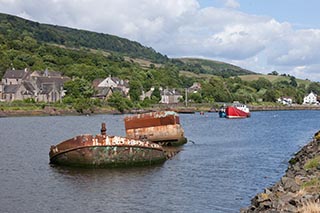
233,112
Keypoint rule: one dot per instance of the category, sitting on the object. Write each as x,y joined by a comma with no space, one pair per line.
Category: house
14,77
106,87
50,89
285,100
21,91
146,94
196,87
22,84
170,96
311,98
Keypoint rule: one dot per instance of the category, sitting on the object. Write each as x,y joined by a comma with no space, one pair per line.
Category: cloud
232,4
182,28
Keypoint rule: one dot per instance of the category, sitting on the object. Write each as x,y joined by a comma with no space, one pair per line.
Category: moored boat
104,151
161,127
222,112
237,110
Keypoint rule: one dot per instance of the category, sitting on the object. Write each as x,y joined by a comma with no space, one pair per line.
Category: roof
170,92
119,82
11,88
52,80
17,74
102,91
29,87
96,82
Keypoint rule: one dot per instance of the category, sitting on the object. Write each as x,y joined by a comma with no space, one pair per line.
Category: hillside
13,27
206,66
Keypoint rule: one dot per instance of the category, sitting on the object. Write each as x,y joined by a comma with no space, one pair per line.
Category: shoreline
53,111
299,188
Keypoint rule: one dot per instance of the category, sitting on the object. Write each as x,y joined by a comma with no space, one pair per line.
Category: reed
310,207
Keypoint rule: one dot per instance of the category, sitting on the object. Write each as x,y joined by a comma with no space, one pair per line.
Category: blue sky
258,35
300,13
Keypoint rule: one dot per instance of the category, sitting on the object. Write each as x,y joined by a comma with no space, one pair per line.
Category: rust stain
104,150
151,119
157,127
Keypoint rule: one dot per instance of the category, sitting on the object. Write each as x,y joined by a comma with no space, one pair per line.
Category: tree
78,88
270,96
314,87
261,83
119,102
135,90
293,81
196,97
273,73
156,95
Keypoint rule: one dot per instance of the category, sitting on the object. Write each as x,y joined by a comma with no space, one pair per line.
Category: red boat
237,111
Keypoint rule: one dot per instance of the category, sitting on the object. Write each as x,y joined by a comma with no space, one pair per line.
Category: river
223,166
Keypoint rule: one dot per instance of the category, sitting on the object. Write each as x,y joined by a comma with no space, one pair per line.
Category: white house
311,98
285,100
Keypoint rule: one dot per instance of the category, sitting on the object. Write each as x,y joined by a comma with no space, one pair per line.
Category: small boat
222,112
237,110
104,151
161,127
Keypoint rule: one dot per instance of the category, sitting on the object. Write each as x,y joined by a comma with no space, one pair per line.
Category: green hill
205,66
13,27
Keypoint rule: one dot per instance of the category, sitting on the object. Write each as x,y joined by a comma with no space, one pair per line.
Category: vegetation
204,66
310,207
313,163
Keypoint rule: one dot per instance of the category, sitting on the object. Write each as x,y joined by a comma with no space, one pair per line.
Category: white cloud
232,4
182,28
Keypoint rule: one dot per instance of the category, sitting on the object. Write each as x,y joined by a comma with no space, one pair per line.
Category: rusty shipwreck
104,151
162,127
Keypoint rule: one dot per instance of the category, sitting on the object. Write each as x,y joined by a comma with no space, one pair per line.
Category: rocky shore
299,189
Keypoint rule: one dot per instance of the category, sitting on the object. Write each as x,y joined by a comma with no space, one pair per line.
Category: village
48,87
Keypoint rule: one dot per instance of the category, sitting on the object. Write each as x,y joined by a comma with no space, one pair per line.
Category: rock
290,184
287,195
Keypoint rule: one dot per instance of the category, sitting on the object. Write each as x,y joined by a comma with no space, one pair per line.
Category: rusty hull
105,151
151,119
160,127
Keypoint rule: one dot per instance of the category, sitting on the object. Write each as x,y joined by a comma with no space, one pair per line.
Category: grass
312,163
312,186
310,207
272,78
191,74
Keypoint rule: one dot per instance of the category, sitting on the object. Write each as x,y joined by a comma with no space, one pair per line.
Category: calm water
228,163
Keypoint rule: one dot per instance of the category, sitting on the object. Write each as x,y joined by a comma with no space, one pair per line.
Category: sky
258,35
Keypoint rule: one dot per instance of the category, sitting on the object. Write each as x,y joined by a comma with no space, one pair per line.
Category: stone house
170,96
106,87
50,89
14,77
22,84
21,91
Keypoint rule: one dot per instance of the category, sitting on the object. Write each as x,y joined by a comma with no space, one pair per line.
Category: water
228,163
